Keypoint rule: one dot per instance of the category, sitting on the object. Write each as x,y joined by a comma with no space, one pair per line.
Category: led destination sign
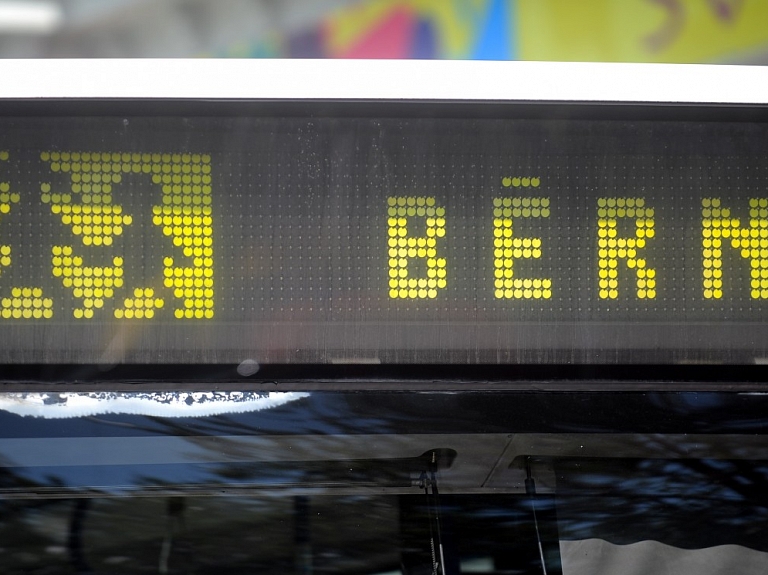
295,239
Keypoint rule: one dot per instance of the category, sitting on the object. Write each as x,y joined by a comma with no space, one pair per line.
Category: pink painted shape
392,37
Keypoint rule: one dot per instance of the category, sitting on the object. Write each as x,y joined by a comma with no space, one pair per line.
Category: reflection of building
590,30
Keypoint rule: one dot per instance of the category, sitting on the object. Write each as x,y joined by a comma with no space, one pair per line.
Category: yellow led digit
404,248
186,216
141,305
90,284
7,199
91,215
751,242
507,247
518,181
612,248
87,206
24,302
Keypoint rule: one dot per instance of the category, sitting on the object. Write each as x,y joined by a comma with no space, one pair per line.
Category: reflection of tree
669,497
75,539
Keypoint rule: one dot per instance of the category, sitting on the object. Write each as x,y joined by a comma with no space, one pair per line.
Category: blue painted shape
424,41
495,40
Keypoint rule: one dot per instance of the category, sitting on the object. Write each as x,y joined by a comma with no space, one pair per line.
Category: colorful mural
566,30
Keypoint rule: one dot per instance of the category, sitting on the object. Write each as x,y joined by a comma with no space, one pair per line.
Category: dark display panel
393,240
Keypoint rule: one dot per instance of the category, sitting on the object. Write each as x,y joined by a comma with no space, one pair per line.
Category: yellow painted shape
634,31
705,37
589,30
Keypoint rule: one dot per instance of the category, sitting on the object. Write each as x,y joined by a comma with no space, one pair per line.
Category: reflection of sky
172,404
456,412
321,413
113,478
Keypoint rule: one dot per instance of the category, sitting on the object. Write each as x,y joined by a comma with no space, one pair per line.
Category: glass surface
386,483
382,240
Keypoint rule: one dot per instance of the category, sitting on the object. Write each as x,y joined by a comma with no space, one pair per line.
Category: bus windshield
380,483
